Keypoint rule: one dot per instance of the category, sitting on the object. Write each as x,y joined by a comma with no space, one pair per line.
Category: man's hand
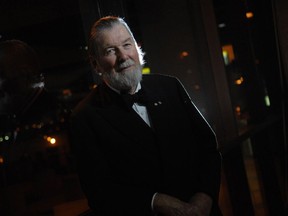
165,205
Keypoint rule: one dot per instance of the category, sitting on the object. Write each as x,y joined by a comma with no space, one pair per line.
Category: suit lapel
125,120
158,109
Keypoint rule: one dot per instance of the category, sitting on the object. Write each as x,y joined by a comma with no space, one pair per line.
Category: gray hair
107,23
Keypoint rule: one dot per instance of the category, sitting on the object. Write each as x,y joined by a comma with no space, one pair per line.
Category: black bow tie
139,97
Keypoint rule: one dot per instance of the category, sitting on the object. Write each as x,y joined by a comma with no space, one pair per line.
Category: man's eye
127,45
109,51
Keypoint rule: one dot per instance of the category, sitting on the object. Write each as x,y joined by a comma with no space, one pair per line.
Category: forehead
113,36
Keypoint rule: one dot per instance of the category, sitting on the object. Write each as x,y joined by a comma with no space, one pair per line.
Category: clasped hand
165,205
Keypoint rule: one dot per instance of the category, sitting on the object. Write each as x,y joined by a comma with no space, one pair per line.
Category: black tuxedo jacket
122,161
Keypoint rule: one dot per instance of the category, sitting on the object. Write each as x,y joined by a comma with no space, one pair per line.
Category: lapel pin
157,103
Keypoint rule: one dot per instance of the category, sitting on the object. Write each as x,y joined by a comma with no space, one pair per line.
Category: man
155,155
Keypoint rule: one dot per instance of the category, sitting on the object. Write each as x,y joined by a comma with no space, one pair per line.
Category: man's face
118,59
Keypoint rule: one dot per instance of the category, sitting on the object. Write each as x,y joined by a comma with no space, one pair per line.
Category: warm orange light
66,92
228,53
51,140
1,160
239,81
238,110
184,54
249,15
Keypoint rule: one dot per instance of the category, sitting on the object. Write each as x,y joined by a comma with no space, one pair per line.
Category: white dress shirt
143,113
141,110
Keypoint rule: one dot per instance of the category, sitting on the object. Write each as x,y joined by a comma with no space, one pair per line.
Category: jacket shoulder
160,78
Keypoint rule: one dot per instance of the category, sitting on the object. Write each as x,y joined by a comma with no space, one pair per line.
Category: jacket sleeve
106,193
210,161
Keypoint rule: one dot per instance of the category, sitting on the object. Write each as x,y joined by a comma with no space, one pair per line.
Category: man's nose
122,55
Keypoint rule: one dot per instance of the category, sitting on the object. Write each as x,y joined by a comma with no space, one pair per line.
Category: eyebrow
107,46
128,39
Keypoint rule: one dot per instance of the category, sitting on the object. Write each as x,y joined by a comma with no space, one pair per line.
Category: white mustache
125,64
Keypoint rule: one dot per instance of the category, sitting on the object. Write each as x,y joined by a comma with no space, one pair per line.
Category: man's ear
95,66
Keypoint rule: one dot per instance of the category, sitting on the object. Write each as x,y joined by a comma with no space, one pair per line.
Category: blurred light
85,47
222,25
184,54
66,92
225,57
146,70
93,86
1,160
239,81
267,100
1,139
38,85
228,54
6,138
249,15
238,110
52,141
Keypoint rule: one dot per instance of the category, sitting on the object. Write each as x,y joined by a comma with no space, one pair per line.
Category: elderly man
141,145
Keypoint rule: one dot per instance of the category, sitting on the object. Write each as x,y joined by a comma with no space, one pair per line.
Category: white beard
124,81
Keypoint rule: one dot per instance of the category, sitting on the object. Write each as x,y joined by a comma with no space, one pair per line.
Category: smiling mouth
124,66
121,69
